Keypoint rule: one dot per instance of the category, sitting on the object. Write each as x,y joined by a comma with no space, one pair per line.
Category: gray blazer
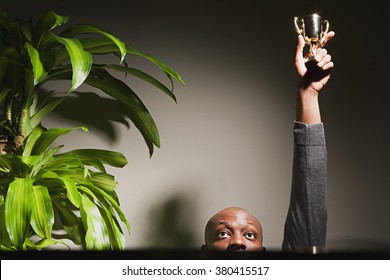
306,220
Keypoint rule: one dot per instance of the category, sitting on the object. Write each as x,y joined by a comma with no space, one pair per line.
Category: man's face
233,229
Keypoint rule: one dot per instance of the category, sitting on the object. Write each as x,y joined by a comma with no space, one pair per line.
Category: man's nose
237,243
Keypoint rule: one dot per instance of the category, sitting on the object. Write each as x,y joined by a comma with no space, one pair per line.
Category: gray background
228,141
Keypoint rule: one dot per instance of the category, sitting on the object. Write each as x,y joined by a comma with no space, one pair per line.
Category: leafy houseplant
40,186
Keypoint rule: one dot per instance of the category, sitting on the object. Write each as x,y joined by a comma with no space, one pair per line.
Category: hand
315,73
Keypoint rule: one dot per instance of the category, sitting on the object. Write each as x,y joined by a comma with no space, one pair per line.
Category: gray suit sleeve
306,220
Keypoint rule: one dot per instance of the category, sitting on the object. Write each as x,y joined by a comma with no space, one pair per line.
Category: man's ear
204,247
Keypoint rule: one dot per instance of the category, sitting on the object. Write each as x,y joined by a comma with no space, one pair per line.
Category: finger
327,38
299,49
329,65
326,59
299,59
321,53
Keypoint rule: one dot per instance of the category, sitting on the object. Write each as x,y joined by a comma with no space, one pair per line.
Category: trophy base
311,57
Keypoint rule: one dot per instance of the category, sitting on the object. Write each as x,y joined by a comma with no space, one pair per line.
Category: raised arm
306,222
313,76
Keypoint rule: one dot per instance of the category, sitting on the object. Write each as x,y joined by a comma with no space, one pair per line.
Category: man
235,229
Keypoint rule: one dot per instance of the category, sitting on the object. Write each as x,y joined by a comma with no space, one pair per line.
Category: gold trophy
313,29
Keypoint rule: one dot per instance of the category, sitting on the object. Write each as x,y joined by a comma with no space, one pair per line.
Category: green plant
39,186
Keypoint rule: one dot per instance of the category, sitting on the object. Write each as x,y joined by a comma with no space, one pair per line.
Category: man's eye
250,235
222,235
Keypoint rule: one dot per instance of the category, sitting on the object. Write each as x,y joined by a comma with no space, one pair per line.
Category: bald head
233,229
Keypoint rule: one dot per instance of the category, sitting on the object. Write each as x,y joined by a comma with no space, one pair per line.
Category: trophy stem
313,51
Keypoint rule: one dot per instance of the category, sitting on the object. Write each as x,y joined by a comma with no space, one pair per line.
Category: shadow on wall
94,112
171,224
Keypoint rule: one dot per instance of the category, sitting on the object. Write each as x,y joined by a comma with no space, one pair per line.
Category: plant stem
8,108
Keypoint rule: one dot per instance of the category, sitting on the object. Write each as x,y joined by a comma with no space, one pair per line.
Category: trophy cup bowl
313,29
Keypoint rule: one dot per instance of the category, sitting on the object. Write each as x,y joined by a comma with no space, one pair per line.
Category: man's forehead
232,222
231,215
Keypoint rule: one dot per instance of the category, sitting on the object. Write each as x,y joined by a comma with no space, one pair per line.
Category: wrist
308,92
308,110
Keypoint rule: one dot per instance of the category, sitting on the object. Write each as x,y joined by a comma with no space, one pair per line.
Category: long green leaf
72,192
4,238
5,20
158,63
71,223
30,141
47,22
28,94
109,216
103,181
117,239
110,199
11,163
67,163
61,162
42,160
112,158
137,111
96,237
86,29
81,60
29,161
18,208
49,136
3,94
60,73
26,28
44,243
100,46
39,71
42,218
38,116
33,103
142,75
8,162
70,186
105,46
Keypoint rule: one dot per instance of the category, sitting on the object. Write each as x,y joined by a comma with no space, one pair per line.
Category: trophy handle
323,33
299,30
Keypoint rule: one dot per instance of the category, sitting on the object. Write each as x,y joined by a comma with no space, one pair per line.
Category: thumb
299,59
